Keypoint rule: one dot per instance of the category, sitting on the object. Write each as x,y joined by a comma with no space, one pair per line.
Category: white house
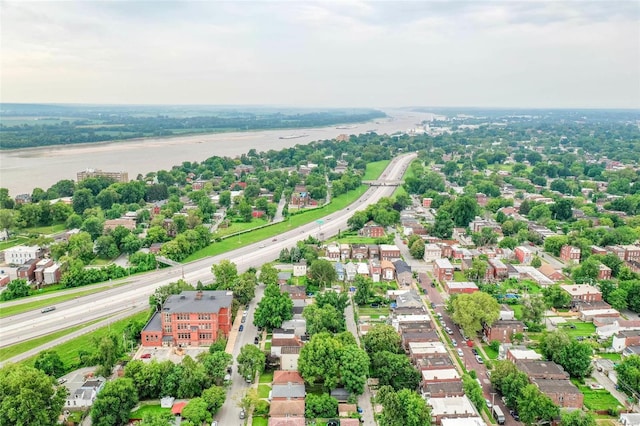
432,252
85,395
20,254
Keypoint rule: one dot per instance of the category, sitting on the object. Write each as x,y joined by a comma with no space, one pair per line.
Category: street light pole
493,398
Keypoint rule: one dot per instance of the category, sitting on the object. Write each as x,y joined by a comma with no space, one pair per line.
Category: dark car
256,340
515,415
475,351
241,327
433,305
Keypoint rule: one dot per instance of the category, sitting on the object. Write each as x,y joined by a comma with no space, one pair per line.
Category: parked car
241,327
475,351
453,342
62,380
479,359
256,340
145,356
489,404
242,414
460,352
433,305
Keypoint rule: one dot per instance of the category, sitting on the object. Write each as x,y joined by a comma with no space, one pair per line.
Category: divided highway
134,297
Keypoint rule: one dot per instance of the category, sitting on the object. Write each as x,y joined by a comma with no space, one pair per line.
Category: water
24,169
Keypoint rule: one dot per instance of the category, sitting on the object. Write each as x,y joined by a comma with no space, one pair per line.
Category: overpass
383,182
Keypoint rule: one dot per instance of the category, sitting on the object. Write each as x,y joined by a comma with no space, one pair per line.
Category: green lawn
517,311
12,242
5,311
583,329
259,421
239,227
612,357
596,400
147,409
266,377
263,391
337,203
68,351
490,352
373,312
355,239
267,346
375,169
46,230
458,276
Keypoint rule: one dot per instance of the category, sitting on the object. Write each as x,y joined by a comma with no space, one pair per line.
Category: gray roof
188,301
154,324
401,266
284,275
290,390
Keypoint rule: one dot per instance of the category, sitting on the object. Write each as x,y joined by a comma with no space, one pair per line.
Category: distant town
479,268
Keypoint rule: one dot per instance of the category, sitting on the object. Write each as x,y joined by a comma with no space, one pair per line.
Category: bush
262,408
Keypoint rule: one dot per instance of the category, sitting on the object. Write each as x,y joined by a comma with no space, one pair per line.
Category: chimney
199,295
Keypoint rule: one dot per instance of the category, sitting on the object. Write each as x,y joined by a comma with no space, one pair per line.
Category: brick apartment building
503,330
523,255
191,318
371,230
443,270
583,293
570,254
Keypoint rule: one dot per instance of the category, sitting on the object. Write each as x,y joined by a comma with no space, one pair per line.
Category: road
134,296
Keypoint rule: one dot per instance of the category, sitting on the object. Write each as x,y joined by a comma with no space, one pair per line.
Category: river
22,170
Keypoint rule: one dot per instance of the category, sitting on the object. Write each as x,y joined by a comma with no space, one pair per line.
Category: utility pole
493,398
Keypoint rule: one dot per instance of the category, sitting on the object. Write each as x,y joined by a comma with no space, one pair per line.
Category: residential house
426,202
287,391
548,271
497,269
359,252
371,230
17,255
404,276
294,291
542,370
362,269
287,408
375,270
339,267
432,252
502,330
350,270
604,272
563,393
289,356
191,318
279,343
570,254
332,252
282,377
598,250
631,253
28,270
453,287
374,252
85,395
443,270
388,271
520,353
345,252
523,254
583,293
451,407
442,389
284,277
506,313
389,252
625,338
300,197
300,268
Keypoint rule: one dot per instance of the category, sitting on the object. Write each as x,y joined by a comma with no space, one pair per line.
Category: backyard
148,407
597,400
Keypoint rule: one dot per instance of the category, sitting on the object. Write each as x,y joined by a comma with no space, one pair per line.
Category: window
167,329
205,317
184,336
167,317
182,317
183,326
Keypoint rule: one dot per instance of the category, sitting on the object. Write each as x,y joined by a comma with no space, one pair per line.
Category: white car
460,352
489,404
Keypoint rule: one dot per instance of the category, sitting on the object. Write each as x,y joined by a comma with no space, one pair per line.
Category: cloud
501,53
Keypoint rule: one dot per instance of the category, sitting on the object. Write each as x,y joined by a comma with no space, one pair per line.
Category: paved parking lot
173,354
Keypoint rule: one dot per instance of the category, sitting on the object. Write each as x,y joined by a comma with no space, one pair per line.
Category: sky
528,54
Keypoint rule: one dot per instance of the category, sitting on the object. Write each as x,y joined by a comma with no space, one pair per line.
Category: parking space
172,354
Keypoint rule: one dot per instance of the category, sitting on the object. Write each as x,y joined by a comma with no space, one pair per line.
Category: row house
372,230
435,363
332,252
455,407
432,252
583,293
350,271
497,269
403,272
419,350
300,268
478,224
604,272
563,393
454,287
570,254
502,330
460,253
27,270
442,389
523,254
481,199
359,252
389,252
111,224
542,370
598,250
362,269
631,253
387,270
443,270
521,353
374,252
623,339
300,197
426,202
375,271
548,271
541,231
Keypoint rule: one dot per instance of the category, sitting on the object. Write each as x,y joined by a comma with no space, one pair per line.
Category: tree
443,225
464,210
214,397
249,400
196,411
245,211
323,272
357,221
478,270
534,406
319,360
536,262
15,290
402,408
82,200
533,309
471,311
382,337
94,226
323,319
629,375
268,274
274,308
29,397
554,343
156,419
114,403
417,249
109,350
354,369
577,418
250,361
7,220
225,273
364,290
556,297
575,358
50,363
215,364
473,390
244,288
106,248
320,406
131,244
394,370
618,299
485,237
562,209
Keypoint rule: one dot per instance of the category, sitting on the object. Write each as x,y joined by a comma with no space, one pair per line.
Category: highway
134,296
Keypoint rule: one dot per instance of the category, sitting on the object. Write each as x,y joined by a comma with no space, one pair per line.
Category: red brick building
371,230
604,272
191,318
453,287
426,202
523,255
583,293
443,270
503,330
570,254
563,393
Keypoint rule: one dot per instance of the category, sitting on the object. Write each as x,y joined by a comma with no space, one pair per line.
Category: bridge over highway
383,182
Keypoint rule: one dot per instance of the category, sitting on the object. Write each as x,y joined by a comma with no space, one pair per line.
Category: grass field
147,409
354,239
12,242
37,304
22,347
68,351
46,230
400,189
517,311
599,399
375,169
612,357
263,391
266,377
259,421
373,312
337,203
458,276
583,329
239,227
490,352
